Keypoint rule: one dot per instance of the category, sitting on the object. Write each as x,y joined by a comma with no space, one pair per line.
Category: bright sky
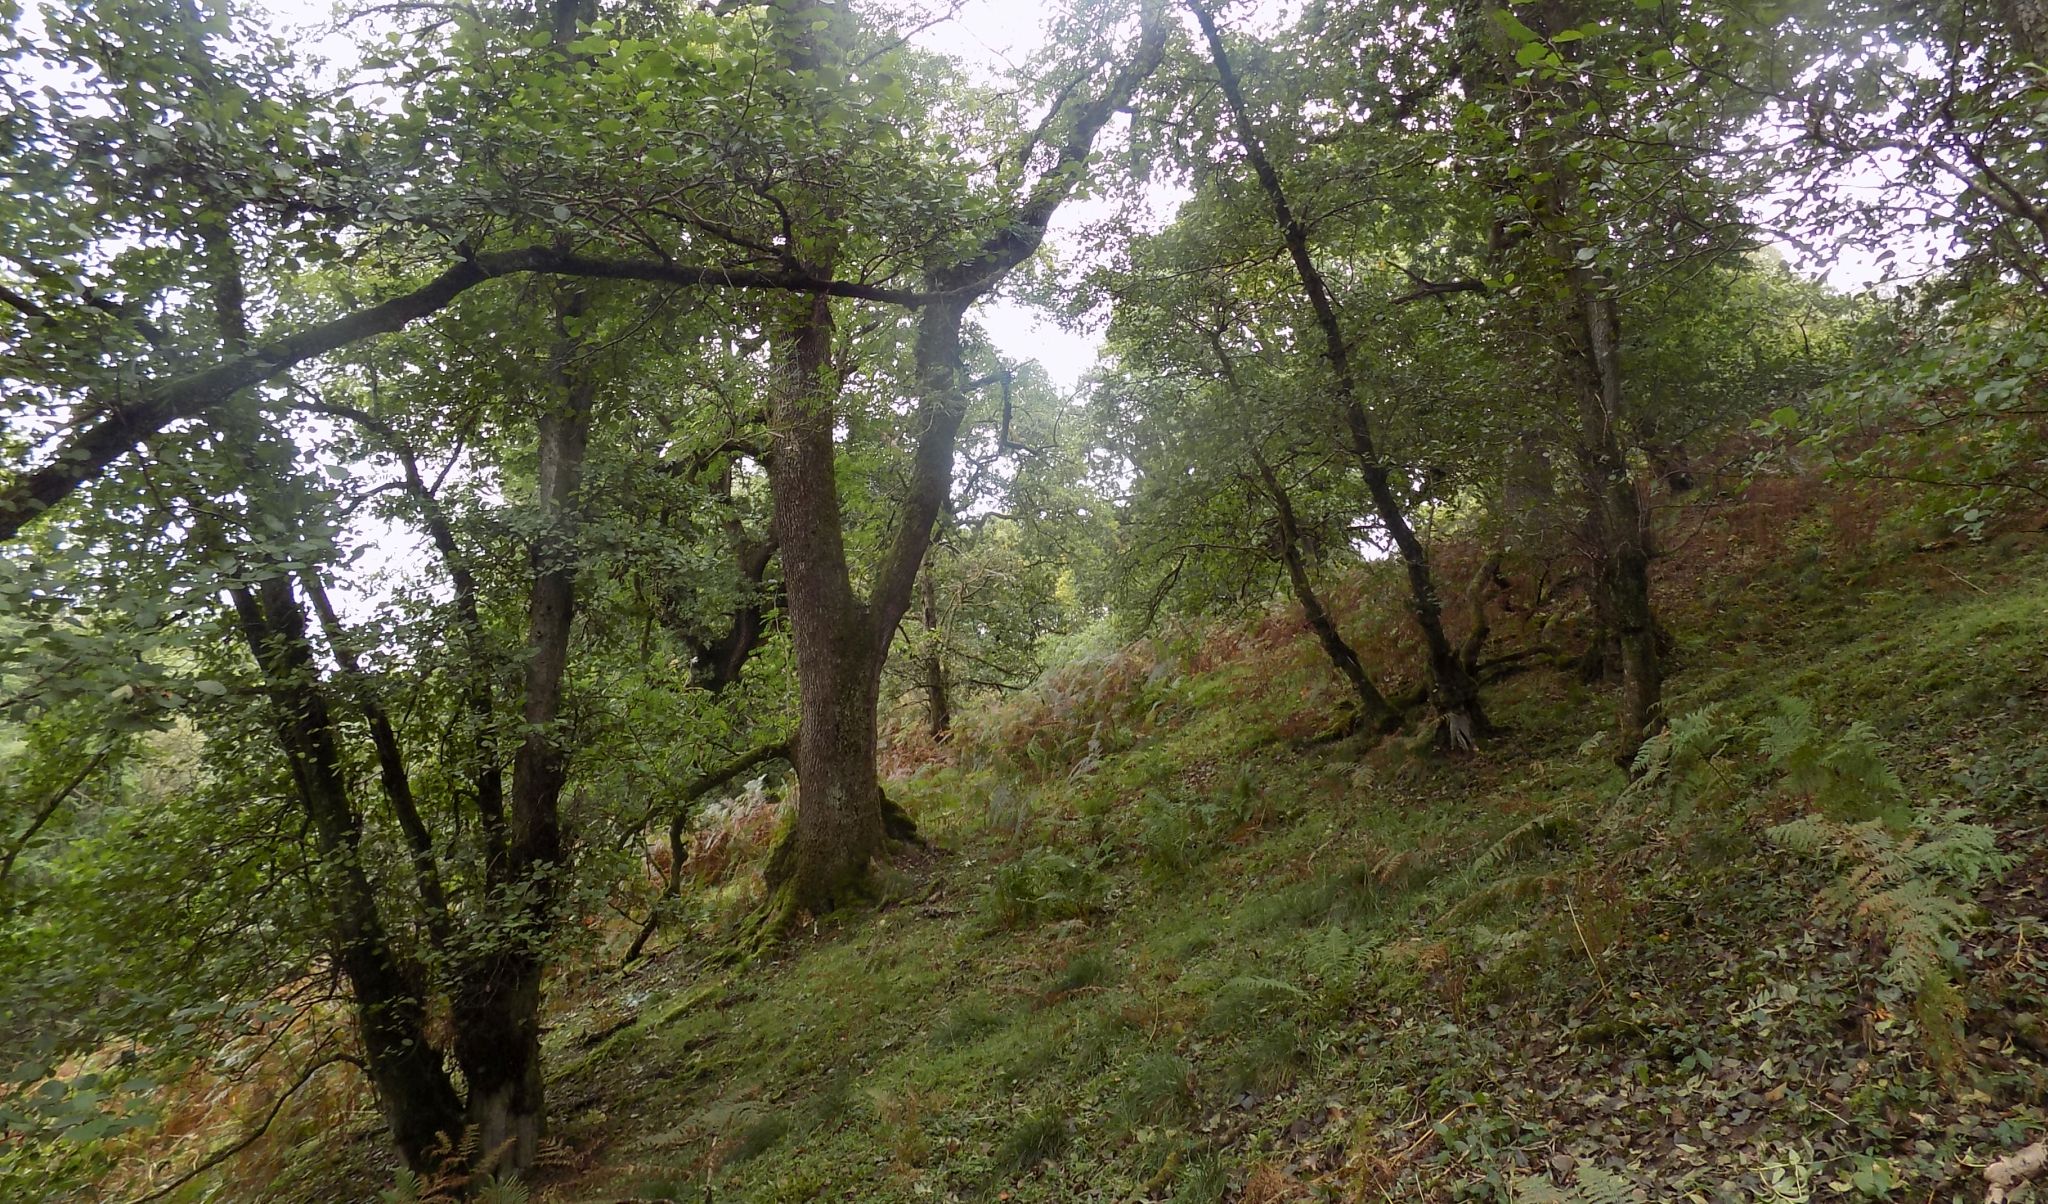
992,36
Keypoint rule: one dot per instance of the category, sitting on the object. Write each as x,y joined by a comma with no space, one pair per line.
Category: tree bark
1592,347
1453,692
838,815
497,1002
937,697
413,1090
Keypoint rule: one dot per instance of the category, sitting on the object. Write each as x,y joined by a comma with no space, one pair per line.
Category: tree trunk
938,702
391,771
412,1085
1452,690
838,814
839,825
1485,582
1374,711
497,1004
840,640
408,1074
1593,349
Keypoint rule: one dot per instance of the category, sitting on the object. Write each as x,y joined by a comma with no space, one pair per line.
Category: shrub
1042,885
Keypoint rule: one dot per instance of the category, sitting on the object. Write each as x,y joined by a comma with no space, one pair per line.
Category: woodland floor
1212,960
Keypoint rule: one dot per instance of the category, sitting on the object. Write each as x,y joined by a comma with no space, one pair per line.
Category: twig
250,1138
47,810
1573,911
1965,580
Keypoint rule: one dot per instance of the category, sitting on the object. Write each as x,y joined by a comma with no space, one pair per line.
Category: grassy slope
1216,965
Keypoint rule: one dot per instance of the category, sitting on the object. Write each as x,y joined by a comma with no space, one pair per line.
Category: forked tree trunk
841,640
391,771
1453,691
412,1086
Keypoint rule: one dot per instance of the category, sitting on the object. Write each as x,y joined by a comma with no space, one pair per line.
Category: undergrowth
1164,950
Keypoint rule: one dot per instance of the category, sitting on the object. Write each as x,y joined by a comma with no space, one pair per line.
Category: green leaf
1513,24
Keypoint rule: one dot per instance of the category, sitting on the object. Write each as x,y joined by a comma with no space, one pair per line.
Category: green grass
1214,959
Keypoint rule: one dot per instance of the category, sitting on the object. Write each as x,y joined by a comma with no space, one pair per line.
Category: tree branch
48,809
86,452
782,750
253,1136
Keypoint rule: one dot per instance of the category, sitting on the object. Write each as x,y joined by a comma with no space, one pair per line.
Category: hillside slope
1165,947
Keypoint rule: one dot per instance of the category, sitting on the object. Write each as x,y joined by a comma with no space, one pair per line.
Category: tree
1452,689
1223,434
841,639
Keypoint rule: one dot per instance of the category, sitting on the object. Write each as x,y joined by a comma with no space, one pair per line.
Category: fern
1263,986
1591,1185
502,1191
1518,889
1524,840
1682,751
1848,775
1856,762
1909,889
1336,960
1792,743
